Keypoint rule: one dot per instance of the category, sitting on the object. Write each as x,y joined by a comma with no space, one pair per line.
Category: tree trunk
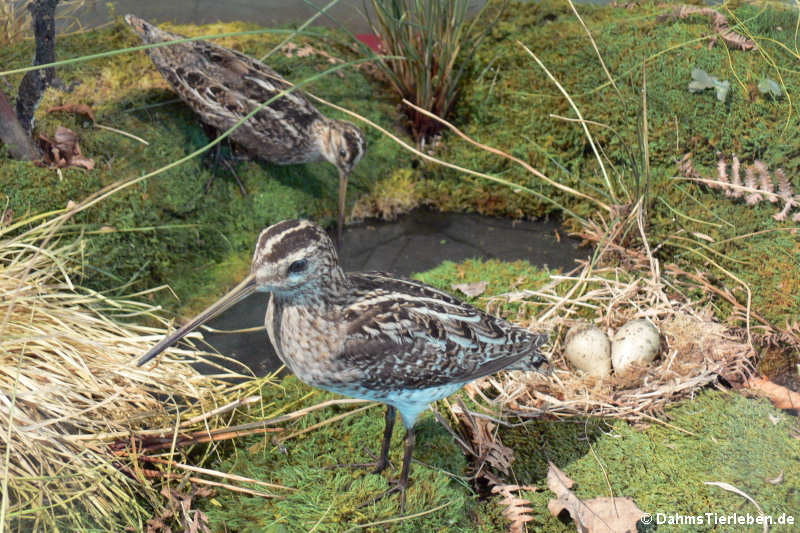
13,135
36,82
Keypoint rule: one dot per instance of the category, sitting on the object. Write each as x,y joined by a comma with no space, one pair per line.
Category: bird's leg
399,485
402,483
236,177
383,460
212,134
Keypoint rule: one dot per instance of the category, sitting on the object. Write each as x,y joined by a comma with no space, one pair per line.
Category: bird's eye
342,153
298,266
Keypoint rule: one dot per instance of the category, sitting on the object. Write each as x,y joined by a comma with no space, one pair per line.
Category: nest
70,388
696,349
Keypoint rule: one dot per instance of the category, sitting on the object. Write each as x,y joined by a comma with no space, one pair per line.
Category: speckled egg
588,349
637,342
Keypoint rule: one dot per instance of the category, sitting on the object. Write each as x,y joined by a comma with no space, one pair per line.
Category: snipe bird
223,85
370,335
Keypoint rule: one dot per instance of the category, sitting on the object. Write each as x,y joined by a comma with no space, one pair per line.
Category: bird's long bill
343,177
238,293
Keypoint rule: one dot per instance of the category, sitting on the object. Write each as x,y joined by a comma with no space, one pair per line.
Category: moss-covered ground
510,103
735,440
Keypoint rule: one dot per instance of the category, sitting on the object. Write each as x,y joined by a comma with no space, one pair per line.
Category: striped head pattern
296,257
343,145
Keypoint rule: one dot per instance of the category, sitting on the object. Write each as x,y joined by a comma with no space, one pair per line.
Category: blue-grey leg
383,460
402,483
399,485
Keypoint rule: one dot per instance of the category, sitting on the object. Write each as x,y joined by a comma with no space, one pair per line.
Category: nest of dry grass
621,285
70,388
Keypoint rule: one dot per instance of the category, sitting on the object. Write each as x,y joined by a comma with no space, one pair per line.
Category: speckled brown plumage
223,86
371,335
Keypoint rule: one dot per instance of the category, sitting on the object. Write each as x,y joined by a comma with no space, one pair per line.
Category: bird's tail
535,361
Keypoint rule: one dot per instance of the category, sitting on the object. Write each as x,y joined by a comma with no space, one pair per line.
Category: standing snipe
222,86
370,335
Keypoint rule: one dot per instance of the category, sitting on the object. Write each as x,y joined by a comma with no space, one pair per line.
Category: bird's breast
307,341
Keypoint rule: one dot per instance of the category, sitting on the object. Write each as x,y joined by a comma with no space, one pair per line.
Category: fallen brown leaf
779,395
291,49
63,150
487,445
81,109
471,289
598,515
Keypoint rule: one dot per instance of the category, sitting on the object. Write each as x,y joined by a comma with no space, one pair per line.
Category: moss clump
663,469
389,198
167,230
500,277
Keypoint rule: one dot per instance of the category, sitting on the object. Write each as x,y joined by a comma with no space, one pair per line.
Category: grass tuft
437,41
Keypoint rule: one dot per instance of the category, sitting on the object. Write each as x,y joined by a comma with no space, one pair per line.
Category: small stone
588,349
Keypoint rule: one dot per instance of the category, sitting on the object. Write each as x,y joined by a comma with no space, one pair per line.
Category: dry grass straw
618,286
70,386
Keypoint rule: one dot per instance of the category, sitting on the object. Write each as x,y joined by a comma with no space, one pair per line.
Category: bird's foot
226,162
377,466
396,486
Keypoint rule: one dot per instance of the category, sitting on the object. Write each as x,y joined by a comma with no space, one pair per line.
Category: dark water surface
417,242
343,14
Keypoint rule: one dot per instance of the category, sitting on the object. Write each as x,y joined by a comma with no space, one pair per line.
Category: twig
223,409
215,473
125,133
328,421
399,518
234,488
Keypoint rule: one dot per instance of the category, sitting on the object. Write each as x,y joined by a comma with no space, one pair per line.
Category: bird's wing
223,86
404,334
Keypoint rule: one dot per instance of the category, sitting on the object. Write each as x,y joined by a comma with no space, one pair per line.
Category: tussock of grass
436,41
71,388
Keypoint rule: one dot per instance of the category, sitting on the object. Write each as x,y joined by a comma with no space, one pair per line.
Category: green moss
167,230
389,198
733,440
508,102
500,277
